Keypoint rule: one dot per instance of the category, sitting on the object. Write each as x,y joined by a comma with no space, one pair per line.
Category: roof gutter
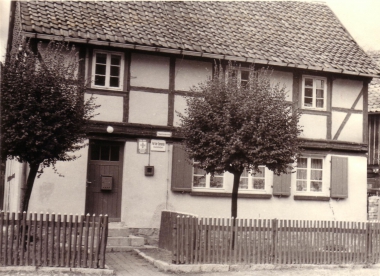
192,53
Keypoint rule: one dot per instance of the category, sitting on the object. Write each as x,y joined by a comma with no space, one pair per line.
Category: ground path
130,264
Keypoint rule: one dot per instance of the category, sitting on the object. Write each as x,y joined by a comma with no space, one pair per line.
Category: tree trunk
235,190
29,186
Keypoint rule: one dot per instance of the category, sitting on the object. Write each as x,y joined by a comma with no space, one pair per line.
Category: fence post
274,239
367,244
174,237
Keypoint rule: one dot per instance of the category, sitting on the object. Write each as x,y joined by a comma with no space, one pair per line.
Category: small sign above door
158,145
164,134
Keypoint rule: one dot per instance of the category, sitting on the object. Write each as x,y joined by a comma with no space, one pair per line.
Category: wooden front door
104,179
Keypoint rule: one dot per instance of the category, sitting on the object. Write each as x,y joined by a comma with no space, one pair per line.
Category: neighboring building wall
374,208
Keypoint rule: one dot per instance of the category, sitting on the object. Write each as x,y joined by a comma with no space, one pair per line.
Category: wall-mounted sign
164,134
142,146
158,145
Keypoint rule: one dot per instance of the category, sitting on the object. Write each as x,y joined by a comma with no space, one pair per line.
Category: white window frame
314,92
325,175
207,182
108,69
251,177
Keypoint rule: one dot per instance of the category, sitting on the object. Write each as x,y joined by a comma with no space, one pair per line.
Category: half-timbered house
142,58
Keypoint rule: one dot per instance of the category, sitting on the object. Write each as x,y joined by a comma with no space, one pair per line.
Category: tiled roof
289,33
374,87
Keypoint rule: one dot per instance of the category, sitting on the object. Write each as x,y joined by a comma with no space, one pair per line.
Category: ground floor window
253,182
201,179
309,174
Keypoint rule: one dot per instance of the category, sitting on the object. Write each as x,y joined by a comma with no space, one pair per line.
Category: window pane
319,94
302,163
243,184
100,80
95,152
114,153
316,175
115,71
105,153
216,181
301,185
319,103
260,174
316,186
308,92
198,170
115,60
114,82
316,163
309,82
101,58
308,101
301,173
100,69
319,84
258,184
199,181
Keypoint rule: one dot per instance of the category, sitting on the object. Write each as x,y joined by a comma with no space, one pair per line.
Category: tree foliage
44,115
232,127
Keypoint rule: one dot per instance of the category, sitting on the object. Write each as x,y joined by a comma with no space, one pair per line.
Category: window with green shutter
182,171
339,177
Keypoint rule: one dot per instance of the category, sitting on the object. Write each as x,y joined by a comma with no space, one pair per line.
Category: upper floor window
309,174
108,70
201,179
314,92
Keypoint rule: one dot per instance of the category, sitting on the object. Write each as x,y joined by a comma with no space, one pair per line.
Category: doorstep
195,268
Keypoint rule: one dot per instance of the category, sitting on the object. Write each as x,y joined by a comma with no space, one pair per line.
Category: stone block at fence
374,208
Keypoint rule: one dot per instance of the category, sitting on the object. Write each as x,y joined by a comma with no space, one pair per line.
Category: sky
360,17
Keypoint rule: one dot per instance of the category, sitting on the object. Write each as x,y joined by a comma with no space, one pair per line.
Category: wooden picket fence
53,240
265,241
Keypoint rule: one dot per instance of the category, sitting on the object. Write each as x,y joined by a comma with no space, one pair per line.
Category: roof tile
300,33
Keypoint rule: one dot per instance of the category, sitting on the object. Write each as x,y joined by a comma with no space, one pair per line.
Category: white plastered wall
148,108
284,79
189,73
345,93
149,71
313,126
110,109
144,197
14,176
65,195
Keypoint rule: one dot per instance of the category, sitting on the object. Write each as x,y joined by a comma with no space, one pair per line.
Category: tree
44,114
232,127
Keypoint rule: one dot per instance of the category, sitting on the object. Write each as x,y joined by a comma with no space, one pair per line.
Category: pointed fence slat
28,239
262,241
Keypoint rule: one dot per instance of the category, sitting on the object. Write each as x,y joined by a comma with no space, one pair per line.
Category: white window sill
222,193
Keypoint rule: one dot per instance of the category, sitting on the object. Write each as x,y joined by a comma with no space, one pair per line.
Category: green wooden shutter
339,177
182,171
282,184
